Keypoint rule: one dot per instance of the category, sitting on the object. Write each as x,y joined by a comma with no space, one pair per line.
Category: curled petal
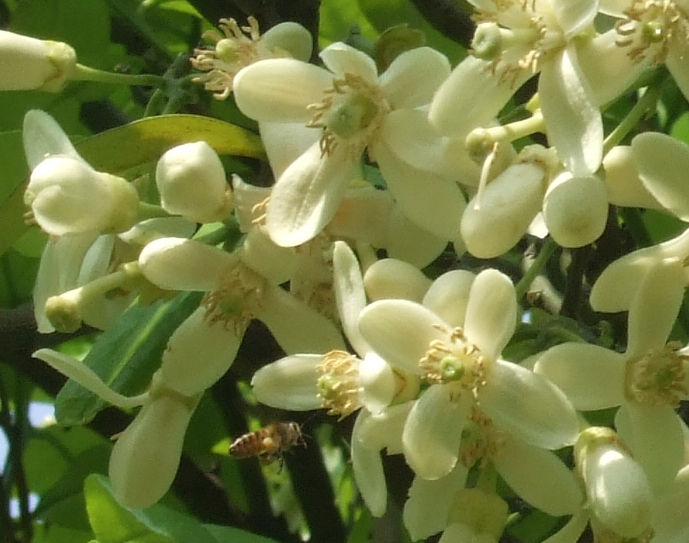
349,294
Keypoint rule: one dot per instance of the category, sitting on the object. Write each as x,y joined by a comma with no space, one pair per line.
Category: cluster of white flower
428,378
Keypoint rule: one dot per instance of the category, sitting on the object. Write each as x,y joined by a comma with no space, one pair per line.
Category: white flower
515,41
191,182
647,381
356,109
239,46
28,63
464,366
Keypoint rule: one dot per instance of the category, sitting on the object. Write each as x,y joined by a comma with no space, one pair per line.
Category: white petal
413,77
350,296
571,531
654,435
289,36
662,162
43,137
279,89
433,431
183,264
289,383
261,254
491,315
670,517
410,242
574,17
573,120
384,430
198,353
655,307
378,383
363,215
390,278
448,296
433,203
428,506
307,195
539,477
342,59
528,405
677,61
592,377
400,331
470,97
368,470
497,219
622,180
285,143
297,327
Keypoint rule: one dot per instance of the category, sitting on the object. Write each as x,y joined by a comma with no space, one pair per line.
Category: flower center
338,383
236,299
515,36
650,28
657,378
350,113
457,361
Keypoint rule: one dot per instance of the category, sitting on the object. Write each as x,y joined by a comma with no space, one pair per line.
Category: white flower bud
28,63
575,209
146,455
67,196
618,491
496,219
191,181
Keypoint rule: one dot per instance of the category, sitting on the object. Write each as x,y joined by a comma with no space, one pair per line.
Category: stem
549,247
631,121
86,73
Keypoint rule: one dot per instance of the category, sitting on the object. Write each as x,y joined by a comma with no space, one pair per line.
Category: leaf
145,140
113,523
125,356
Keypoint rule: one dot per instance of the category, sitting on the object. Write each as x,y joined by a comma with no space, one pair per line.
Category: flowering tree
345,271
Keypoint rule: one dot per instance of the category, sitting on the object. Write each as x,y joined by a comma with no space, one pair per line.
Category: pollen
338,383
658,377
455,361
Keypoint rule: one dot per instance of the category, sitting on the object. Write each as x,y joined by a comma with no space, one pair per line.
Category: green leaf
113,523
125,356
145,140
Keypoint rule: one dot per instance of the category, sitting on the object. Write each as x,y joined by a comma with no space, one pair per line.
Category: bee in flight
268,443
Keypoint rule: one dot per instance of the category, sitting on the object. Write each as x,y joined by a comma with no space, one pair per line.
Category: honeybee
268,443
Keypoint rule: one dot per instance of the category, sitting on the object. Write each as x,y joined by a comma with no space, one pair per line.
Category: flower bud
146,455
28,63
575,209
617,488
191,181
67,196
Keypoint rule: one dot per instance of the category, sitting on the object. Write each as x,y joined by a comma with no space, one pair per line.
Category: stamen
338,384
481,441
657,378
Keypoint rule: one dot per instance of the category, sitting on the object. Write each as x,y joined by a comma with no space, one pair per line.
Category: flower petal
591,376
389,278
289,383
400,331
350,296
662,162
491,316
433,431
285,143
539,477
677,61
307,195
368,470
574,123
342,59
434,203
279,89
655,307
528,405
43,137
654,435
448,296
574,17
429,503
413,77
